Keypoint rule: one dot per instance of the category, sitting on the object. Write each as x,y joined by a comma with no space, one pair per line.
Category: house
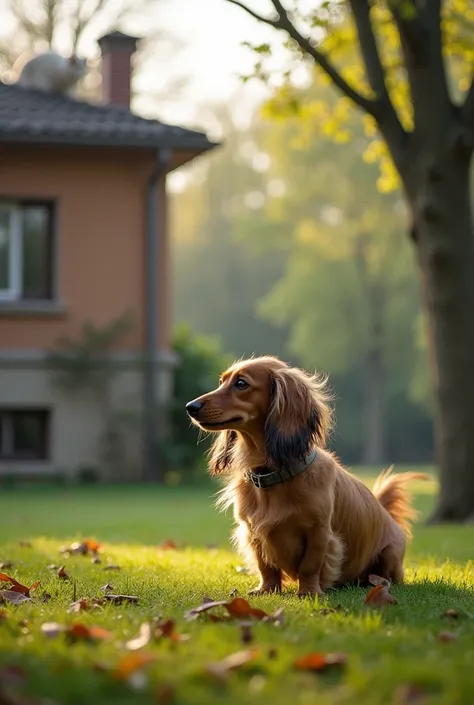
83,237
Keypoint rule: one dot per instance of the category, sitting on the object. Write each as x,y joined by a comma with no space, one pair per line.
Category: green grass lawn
388,650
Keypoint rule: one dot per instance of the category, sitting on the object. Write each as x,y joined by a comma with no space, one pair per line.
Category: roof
33,116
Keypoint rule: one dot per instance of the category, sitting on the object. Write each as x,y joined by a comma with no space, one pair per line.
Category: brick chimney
117,51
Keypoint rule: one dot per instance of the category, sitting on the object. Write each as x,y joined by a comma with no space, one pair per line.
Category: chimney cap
118,41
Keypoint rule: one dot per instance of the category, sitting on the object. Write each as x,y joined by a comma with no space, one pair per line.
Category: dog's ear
299,416
220,454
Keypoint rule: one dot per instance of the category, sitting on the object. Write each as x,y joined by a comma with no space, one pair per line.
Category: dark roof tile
28,115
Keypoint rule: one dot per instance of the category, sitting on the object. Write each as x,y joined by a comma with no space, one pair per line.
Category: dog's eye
241,384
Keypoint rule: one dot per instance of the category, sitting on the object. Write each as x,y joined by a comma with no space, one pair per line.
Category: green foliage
201,360
84,363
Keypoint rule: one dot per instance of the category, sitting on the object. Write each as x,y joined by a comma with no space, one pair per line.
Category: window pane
36,270
4,249
29,434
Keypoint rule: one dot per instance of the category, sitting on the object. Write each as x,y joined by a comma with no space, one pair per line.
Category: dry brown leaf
119,599
81,632
379,596
409,694
377,580
246,632
165,628
52,629
221,669
79,605
62,573
143,638
16,598
208,605
452,614
16,586
132,663
319,662
168,545
165,693
238,608
447,637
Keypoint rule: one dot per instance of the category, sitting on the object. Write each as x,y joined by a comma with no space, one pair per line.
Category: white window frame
13,292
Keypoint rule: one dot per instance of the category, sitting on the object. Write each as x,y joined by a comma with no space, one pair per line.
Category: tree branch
260,18
283,22
368,45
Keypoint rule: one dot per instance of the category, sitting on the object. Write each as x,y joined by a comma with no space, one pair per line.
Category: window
24,434
26,251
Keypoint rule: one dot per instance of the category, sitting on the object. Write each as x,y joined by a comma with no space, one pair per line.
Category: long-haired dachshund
299,514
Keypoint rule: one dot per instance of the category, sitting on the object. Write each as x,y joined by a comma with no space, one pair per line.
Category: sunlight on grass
387,650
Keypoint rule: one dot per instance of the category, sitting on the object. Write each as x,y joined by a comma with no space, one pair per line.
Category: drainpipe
153,238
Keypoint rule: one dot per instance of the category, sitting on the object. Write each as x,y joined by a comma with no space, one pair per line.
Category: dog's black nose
193,408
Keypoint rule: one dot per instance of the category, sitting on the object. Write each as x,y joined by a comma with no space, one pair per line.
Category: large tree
412,51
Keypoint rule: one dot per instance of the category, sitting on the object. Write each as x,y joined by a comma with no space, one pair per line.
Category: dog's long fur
323,527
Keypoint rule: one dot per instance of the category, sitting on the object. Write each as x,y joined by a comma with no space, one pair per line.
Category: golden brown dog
299,514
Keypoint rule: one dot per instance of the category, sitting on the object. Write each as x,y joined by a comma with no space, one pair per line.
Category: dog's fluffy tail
392,493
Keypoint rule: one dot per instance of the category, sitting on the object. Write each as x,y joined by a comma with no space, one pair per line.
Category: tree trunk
443,235
374,450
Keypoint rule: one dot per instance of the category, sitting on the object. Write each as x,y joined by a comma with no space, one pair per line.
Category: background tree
67,25
412,51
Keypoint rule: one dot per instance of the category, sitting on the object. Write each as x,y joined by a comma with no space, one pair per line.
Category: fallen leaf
452,614
143,638
447,637
16,598
379,596
377,580
79,605
221,669
319,662
132,663
107,588
52,629
111,566
78,631
119,599
168,545
16,586
205,607
165,628
165,693
410,693
246,632
6,565
238,608
62,573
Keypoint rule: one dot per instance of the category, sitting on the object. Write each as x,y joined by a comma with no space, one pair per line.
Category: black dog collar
265,480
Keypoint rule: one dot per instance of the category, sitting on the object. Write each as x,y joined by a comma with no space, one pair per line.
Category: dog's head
279,406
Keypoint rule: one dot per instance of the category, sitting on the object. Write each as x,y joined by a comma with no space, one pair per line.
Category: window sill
32,308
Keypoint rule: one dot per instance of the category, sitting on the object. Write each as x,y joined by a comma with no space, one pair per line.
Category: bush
201,361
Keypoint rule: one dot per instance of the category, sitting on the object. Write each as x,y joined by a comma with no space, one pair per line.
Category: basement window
24,434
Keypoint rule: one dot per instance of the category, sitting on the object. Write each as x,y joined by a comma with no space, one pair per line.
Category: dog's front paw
265,590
